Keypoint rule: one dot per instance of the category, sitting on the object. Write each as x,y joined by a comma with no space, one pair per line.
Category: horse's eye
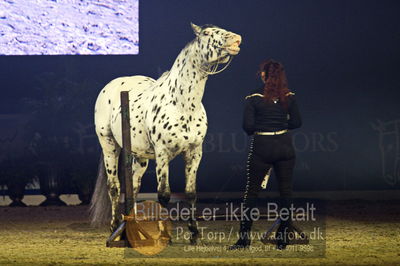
206,33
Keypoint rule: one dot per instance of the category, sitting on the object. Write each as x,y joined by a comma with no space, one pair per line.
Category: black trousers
274,151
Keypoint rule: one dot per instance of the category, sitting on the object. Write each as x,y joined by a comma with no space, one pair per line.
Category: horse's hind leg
111,151
192,161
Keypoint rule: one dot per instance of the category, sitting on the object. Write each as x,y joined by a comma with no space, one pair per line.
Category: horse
167,118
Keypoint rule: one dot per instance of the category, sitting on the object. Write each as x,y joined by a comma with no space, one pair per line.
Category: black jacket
260,115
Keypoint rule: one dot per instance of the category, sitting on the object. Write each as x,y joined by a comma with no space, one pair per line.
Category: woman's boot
244,236
284,234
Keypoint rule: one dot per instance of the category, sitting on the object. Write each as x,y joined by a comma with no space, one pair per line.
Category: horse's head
216,45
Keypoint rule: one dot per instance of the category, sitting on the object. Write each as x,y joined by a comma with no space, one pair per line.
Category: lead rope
248,171
212,69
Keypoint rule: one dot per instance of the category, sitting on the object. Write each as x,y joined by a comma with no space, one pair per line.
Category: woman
268,115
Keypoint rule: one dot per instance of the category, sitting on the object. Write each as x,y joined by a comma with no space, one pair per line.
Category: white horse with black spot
167,118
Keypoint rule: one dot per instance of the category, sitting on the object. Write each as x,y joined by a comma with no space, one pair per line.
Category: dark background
341,59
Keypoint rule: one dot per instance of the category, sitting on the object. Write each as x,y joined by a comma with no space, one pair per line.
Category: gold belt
271,133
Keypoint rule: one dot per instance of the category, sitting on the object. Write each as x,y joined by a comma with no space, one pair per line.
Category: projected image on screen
69,27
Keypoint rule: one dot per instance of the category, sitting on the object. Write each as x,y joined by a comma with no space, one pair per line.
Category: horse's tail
100,205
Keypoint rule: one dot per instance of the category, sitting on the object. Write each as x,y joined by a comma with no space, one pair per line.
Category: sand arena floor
357,233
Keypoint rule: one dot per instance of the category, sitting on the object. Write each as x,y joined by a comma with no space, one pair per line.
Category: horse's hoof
113,228
193,241
194,238
165,234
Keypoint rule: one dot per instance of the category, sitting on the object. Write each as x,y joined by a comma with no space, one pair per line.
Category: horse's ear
196,29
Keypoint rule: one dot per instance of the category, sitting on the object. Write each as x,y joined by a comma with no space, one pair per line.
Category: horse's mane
209,26
188,44
164,74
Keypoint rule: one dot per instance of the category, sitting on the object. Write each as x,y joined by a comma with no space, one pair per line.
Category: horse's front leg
139,167
163,189
192,160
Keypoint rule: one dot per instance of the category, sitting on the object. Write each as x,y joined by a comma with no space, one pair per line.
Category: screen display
69,27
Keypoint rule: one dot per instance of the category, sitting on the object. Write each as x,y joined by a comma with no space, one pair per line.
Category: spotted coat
167,116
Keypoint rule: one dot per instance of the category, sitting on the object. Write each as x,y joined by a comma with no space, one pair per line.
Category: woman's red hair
276,85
